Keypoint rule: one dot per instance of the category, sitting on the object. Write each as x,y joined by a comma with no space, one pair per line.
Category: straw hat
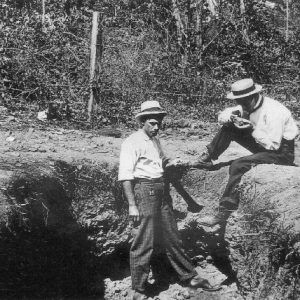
243,88
150,107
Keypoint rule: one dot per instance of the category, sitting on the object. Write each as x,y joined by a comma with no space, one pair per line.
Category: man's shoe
220,218
205,156
139,296
203,161
199,282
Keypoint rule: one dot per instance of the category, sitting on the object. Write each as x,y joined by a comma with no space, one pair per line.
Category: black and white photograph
150,149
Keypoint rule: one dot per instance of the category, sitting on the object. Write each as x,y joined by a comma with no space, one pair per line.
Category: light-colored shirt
272,122
141,157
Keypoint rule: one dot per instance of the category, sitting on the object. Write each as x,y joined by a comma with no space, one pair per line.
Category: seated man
141,172
262,125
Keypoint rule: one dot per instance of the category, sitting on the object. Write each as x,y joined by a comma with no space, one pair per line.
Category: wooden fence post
93,56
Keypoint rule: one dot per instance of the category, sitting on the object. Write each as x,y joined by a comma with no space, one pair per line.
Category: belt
150,180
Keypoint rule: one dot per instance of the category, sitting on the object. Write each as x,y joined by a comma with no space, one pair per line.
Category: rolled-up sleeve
291,129
128,159
270,131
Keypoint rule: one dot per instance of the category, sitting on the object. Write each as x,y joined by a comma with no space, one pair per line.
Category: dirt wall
64,228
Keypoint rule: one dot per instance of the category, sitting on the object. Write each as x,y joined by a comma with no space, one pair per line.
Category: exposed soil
36,141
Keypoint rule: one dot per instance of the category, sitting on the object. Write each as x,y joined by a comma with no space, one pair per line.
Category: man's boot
139,296
199,282
220,218
203,161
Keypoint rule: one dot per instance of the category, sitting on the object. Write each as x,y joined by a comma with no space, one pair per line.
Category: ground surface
40,140
36,140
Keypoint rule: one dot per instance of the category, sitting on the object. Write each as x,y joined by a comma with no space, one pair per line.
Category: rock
183,123
212,274
168,131
209,259
10,119
191,132
109,132
15,154
199,258
10,139
3,109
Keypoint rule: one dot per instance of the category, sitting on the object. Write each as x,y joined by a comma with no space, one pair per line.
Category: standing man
141,171
262,125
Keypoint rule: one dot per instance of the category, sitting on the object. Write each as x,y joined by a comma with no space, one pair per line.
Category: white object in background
42,115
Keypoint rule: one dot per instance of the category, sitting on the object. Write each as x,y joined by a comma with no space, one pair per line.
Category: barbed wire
139,91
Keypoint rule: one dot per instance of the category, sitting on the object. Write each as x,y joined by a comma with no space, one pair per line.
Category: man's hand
177,162
134,213
224,118
241,123
133,210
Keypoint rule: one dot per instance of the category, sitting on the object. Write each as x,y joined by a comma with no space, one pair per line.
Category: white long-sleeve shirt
271,122
140,157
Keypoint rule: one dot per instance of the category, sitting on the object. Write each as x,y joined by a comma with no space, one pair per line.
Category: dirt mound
62,211
74,219
263,236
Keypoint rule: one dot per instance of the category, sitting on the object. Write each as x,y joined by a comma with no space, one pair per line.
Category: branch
213,39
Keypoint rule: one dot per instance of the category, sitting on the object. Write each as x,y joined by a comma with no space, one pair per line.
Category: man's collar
258,104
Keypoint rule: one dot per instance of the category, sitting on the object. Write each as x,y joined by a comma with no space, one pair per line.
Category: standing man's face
152,126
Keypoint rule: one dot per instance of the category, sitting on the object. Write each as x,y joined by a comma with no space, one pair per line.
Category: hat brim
150,113
257,89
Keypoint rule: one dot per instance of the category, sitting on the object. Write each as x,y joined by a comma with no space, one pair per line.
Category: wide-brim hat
243,88
150,107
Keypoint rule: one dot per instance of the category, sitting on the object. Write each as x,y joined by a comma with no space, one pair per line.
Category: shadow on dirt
45,253
202,243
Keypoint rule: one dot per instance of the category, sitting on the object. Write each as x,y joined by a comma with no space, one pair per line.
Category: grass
270,268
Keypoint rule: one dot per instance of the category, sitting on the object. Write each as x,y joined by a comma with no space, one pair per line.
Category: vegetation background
184,53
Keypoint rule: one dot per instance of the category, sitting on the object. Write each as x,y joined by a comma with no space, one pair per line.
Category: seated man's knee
240,165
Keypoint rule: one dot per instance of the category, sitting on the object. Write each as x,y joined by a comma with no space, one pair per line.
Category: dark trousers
157,231
228,133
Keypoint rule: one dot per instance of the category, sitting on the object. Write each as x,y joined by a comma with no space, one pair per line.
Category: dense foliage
184,53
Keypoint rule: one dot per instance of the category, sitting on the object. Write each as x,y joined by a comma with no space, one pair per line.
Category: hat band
152,109
246,91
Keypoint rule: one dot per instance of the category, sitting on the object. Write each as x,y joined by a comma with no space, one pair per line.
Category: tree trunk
242,7
180,31
245,26
198,28
43,13
212,5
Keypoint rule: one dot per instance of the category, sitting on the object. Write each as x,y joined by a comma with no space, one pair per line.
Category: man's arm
269,131
128,159
133,209
224,116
